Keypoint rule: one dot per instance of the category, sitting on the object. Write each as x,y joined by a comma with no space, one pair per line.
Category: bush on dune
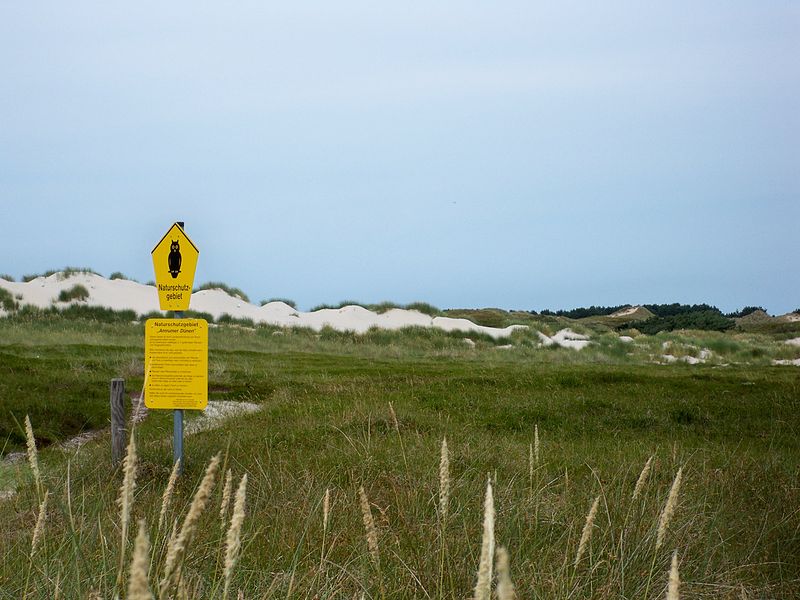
219,285
76,292
7,301
288,301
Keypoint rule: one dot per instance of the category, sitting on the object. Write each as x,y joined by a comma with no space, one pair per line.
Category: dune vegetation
600,467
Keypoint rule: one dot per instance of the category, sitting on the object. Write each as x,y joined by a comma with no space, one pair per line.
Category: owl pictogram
174,258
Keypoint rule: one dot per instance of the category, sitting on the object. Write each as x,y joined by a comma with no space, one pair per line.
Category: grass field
325,423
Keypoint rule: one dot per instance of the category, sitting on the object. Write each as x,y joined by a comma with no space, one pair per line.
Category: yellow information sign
174,263
176,363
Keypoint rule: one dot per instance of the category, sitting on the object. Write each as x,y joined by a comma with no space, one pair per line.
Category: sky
521,155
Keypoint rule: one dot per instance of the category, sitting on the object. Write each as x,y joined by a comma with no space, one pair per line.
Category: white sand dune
121,294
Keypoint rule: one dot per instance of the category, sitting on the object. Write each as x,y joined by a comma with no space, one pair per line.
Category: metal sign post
177,420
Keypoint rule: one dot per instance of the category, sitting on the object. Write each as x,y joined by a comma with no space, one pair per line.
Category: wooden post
117,420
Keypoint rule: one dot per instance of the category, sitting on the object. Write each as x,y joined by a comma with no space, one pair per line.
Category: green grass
325,423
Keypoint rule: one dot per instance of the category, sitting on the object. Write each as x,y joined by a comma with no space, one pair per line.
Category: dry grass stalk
536,443
530,464
484,583
39,527
586,535
178,545
642,478
326,509
240,596
33,457
167,496
393,415
233,541
125,500
505,587
669,509
226,498
444,481
673,591
369,527
138,588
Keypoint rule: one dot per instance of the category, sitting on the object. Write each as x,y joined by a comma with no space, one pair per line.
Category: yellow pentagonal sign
174,263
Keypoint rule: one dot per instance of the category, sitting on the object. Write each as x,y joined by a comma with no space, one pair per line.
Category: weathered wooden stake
117,420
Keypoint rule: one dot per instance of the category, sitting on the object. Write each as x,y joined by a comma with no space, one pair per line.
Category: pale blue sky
513,154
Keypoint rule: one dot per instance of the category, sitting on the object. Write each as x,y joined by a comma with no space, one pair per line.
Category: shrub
76,292
117,275
709,320
674,309
745,311
582,312
7,301
68,272
219,285
425,308
7,277
291,303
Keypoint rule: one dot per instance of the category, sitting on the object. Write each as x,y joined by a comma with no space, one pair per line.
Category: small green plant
291,303
7,277
117,275
76,292
219,285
